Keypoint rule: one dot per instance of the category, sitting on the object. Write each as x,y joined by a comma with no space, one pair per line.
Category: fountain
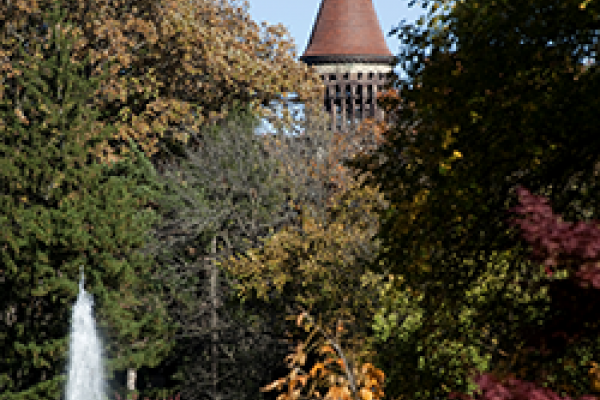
85,379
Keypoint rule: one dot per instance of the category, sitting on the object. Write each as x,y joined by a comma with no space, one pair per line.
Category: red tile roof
347,27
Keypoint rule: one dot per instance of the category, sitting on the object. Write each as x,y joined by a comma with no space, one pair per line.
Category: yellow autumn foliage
187,63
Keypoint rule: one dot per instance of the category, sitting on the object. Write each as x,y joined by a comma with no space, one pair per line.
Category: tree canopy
61,210
497,96
178,58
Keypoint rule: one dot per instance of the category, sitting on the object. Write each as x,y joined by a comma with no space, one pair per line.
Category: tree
60,210
572,325
510,105
219,199
312,263
142,75
313,269
314,159
173,66
143,96
208,165
441,96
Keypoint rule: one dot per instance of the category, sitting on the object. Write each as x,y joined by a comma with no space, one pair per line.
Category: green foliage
489,103
225,185
313,268
439,337
495,77
60,210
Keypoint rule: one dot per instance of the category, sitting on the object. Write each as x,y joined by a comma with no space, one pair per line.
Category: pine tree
60,210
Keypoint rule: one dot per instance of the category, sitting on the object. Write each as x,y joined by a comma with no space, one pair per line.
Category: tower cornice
348,58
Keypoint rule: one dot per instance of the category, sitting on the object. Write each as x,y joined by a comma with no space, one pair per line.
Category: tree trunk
214,322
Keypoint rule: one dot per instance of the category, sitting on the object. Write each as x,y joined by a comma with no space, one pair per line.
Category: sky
299,17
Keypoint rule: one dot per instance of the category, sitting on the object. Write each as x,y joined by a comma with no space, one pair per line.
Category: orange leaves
300,318
373,379
21,116
340,327
365,394
364,383
277,385
318,367
594,374
337,393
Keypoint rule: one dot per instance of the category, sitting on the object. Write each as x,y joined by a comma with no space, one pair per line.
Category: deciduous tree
177,64
219,199
496,96
313,264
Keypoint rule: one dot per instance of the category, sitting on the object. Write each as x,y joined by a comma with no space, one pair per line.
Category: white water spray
85,379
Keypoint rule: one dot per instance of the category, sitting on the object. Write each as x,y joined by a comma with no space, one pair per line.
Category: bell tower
348,50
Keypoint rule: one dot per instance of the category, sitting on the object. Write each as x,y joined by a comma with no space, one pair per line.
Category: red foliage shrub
554,240
491,388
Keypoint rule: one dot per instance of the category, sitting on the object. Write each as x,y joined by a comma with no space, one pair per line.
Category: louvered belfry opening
347,48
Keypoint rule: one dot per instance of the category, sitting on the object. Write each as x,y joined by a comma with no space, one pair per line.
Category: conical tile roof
346,31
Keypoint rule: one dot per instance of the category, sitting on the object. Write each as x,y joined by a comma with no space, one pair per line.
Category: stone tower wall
351,92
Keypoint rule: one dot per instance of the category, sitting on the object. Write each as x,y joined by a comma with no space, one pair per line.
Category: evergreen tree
61,210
